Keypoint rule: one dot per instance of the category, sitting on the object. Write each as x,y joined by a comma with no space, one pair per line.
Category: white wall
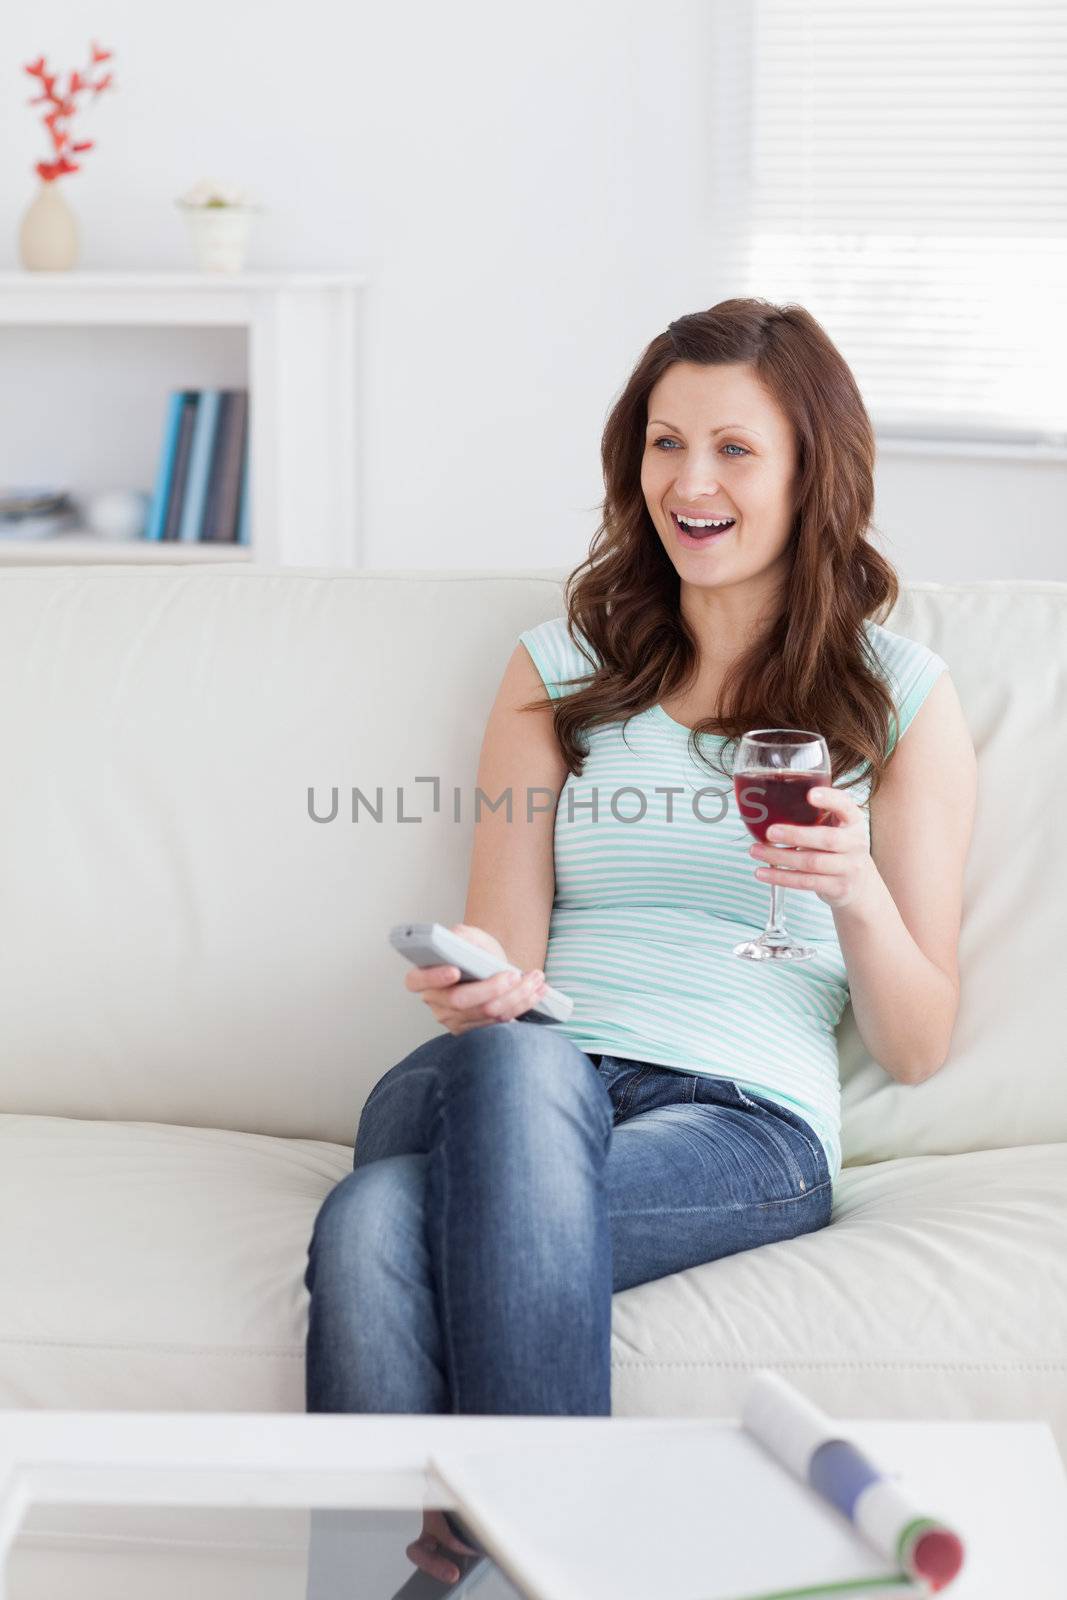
532,190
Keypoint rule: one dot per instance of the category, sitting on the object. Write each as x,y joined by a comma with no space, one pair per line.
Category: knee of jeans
373,1214
517,1060
428,1056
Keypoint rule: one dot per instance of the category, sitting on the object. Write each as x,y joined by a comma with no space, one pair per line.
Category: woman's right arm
512,876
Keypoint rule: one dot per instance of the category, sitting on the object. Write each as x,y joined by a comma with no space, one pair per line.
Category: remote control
431,944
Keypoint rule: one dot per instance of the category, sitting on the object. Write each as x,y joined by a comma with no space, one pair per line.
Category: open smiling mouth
698,535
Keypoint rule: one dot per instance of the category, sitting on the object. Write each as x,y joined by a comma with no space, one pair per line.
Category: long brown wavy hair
812,667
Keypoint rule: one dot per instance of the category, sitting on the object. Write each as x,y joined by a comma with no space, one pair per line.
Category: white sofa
198,995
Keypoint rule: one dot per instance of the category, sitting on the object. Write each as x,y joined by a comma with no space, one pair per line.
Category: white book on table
712,1517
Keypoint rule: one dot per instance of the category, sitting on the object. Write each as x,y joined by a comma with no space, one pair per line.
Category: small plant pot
220,235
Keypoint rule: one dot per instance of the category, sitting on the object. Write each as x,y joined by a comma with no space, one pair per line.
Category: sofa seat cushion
161,1267
158,1267
938,1290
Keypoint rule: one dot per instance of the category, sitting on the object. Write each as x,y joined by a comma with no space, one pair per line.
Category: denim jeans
505,1184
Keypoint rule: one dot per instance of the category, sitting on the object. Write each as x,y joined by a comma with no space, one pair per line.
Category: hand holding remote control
460,1006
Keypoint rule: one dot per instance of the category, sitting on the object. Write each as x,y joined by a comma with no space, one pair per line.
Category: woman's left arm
898,904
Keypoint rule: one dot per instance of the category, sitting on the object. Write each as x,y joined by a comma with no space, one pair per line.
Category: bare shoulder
529,735
922,820
936,738
512,873
519,746
522,678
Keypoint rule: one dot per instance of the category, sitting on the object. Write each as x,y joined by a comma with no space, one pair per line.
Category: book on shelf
180,475
244,514
165,470
201,479
219,520
203,441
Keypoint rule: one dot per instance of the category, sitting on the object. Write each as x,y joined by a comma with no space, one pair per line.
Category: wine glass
774,770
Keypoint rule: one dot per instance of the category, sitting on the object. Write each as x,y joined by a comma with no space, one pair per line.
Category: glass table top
224,1553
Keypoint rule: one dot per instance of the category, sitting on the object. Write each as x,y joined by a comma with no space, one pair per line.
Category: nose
697,480
696,488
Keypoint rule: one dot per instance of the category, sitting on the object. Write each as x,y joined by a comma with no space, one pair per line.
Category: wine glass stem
775,931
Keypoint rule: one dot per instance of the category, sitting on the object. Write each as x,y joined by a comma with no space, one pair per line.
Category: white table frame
260,1460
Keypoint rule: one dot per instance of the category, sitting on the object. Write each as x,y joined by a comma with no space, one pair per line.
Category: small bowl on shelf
35,513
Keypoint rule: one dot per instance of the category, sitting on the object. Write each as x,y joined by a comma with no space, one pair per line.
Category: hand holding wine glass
784,794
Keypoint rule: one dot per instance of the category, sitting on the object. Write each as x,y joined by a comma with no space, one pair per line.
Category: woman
509,1178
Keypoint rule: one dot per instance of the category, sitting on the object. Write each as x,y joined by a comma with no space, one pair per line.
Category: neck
725,621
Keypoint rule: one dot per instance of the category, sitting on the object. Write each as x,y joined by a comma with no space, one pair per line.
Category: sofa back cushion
183,942
1005,1081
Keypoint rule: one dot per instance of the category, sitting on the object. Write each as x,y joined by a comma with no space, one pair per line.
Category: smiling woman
509,1179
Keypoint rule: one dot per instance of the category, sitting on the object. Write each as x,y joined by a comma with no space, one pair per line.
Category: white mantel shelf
189,293
75,550
297,279
305,422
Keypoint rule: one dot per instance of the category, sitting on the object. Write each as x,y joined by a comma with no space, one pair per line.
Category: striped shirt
655,886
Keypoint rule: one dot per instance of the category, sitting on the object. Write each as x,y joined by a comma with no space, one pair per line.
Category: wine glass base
756,950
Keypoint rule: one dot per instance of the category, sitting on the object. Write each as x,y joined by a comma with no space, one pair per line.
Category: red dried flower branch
63,108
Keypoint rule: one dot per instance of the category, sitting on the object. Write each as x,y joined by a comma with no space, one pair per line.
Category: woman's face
719,446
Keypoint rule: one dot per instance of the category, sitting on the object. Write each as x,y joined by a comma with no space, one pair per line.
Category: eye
667,440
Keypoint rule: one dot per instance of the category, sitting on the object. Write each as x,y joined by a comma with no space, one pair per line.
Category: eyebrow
727,427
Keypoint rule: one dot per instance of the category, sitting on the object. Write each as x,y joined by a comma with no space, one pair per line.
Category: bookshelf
303,370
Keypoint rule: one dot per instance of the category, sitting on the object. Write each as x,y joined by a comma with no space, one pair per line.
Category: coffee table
218,1506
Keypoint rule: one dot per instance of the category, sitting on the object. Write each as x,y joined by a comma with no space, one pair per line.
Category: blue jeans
505,1184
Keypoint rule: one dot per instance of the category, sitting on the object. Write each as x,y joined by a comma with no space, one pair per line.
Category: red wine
771,797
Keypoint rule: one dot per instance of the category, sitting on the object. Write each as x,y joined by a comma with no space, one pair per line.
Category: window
901,170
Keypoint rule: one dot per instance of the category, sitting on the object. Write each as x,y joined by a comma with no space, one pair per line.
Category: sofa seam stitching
915,1366
149,1345
745,1366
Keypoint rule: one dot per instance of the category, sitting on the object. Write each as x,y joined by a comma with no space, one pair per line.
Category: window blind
901,170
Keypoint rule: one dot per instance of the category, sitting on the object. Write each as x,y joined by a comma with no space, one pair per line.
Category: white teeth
709,522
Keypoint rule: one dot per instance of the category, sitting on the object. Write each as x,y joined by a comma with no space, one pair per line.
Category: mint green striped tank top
655,886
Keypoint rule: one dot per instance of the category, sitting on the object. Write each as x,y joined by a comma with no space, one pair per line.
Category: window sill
977,449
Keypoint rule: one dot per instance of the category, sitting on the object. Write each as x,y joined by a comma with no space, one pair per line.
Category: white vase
48,237
220,236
